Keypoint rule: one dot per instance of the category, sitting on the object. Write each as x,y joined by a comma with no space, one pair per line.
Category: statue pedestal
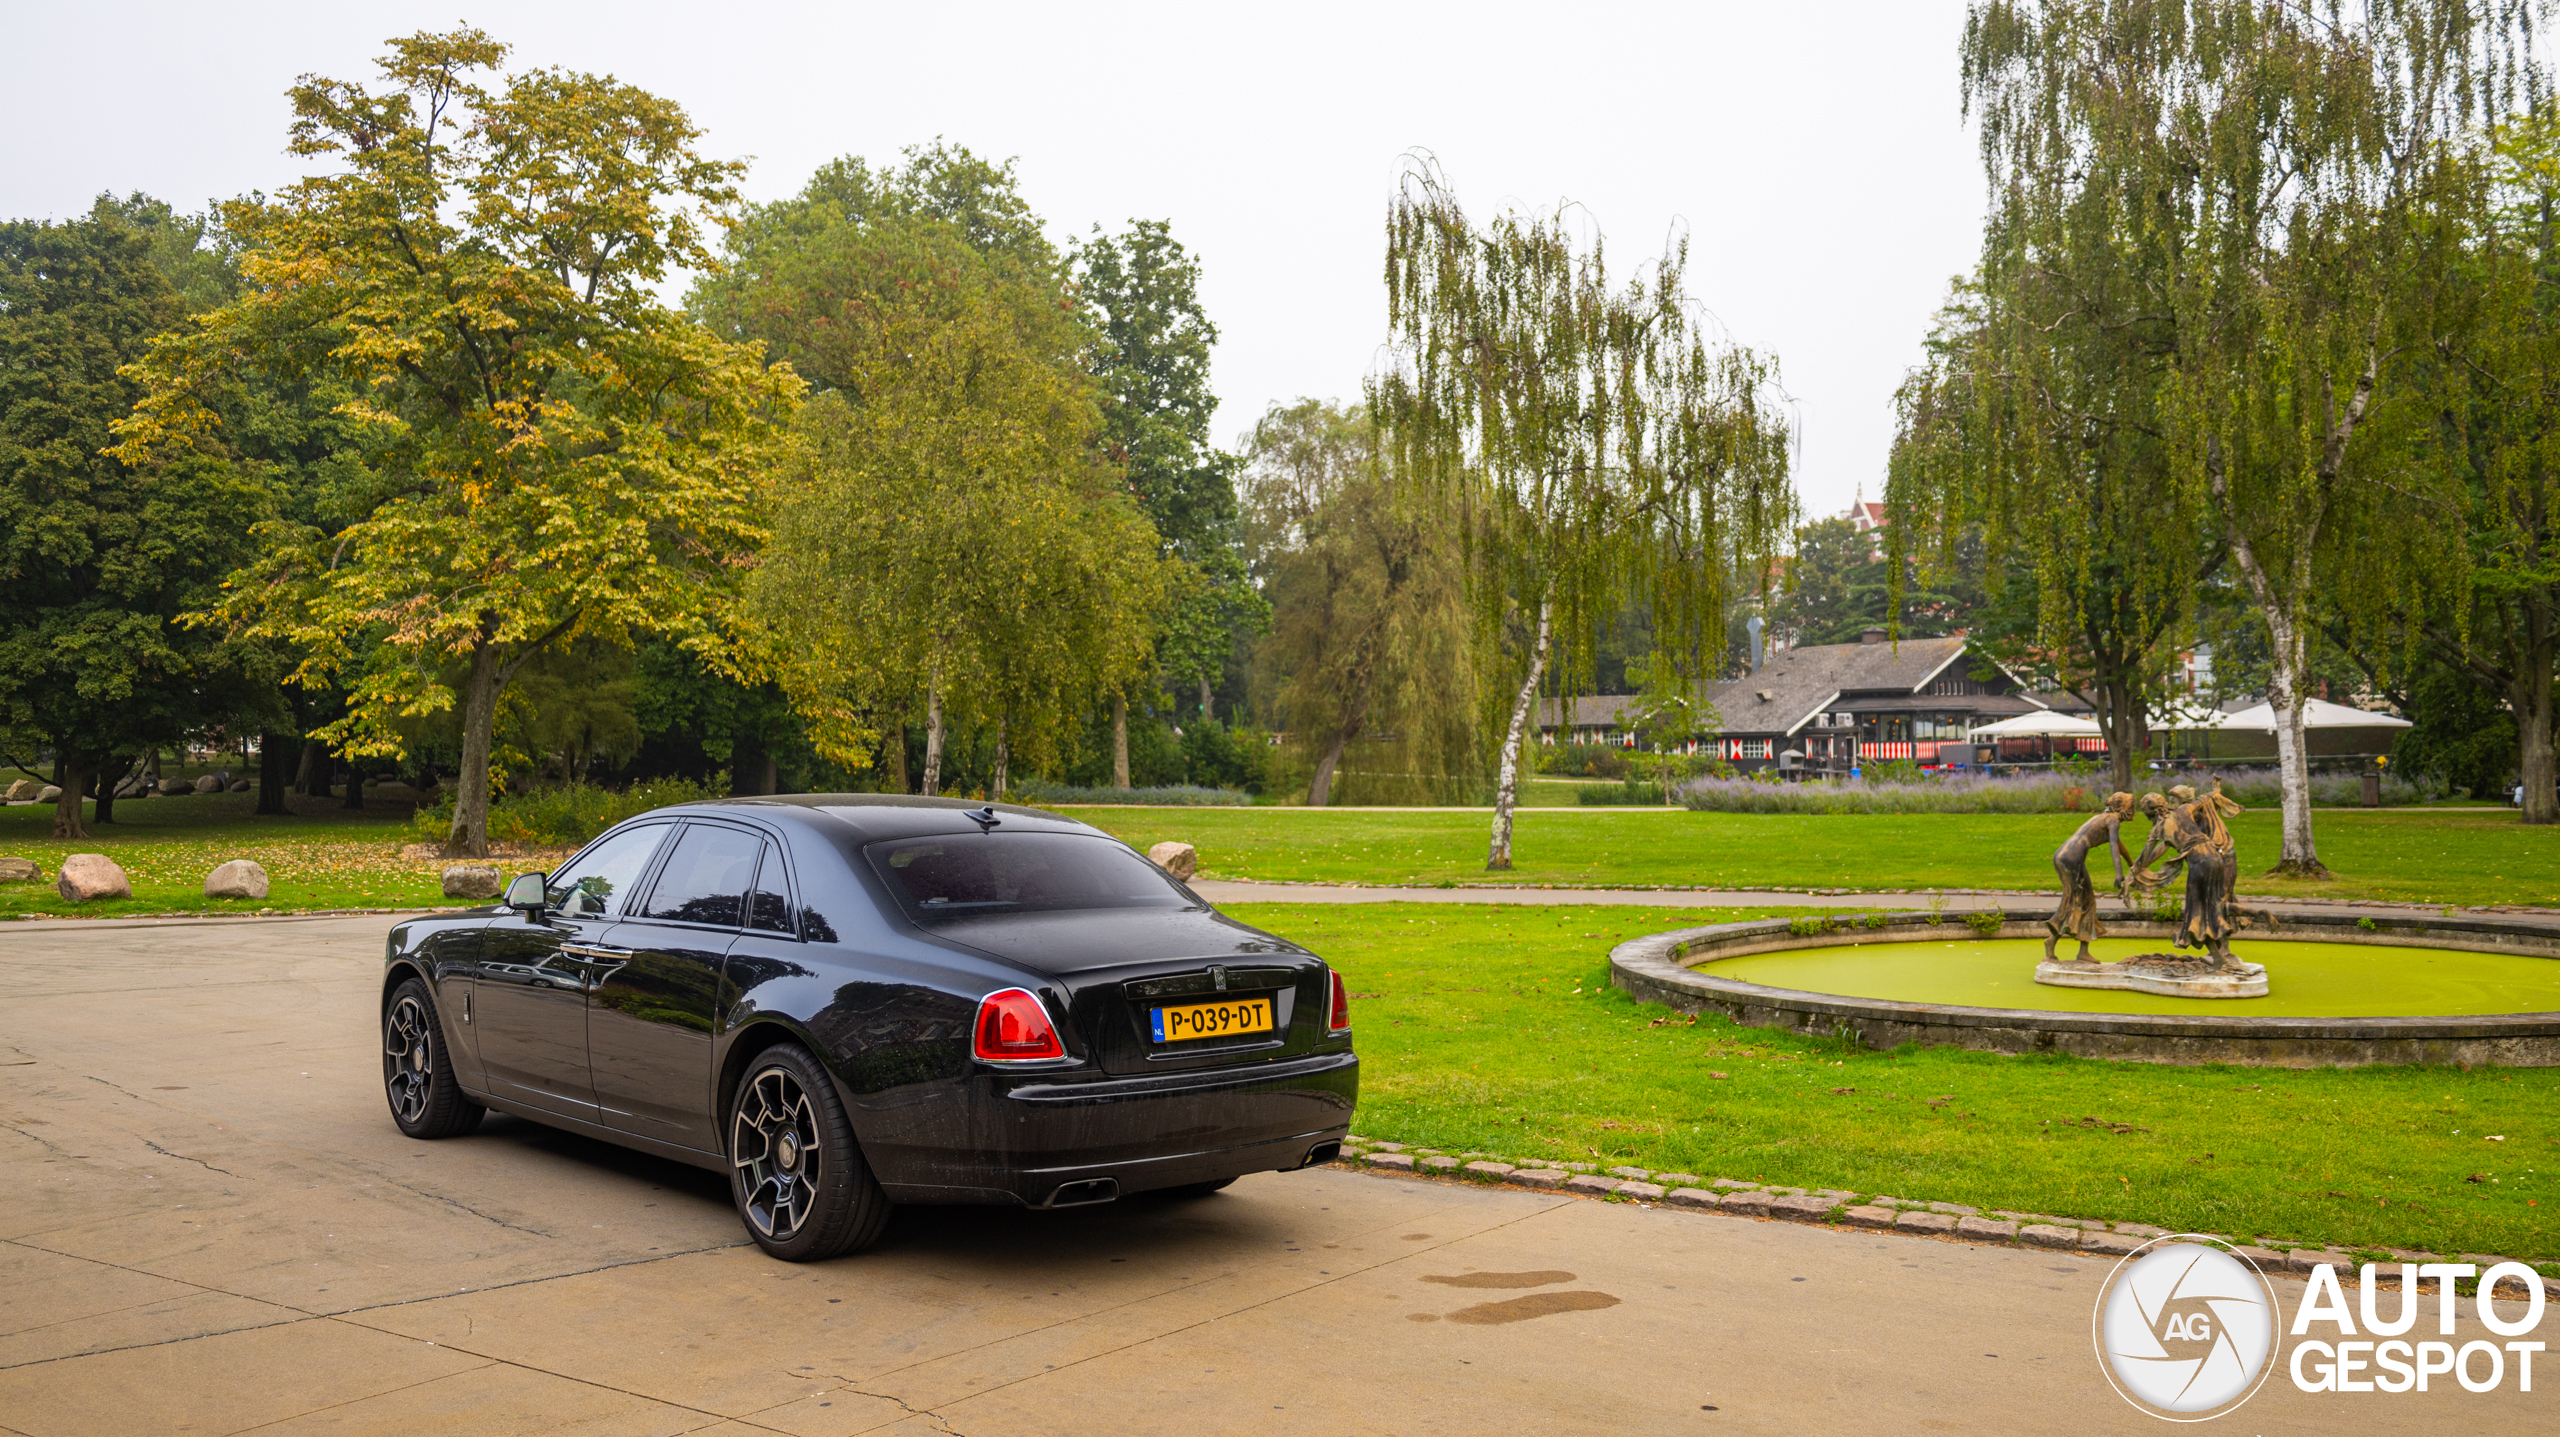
2163,973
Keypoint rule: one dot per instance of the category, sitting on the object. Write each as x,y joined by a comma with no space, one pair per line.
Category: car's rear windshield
977,874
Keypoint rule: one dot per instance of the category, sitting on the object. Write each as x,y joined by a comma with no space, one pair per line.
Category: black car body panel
632,1020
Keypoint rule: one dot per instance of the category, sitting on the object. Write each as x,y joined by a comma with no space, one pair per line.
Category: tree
1370,625
2279,162
2035,424
1590,441
950,536
1151,356
558,455
101,556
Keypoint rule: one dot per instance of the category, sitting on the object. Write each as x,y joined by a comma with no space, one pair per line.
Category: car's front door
536,970
649,1026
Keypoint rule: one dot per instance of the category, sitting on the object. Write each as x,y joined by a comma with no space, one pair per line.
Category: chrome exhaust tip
1322,1153
1084,1194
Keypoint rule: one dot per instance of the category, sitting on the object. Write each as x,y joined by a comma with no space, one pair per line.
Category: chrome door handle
597,952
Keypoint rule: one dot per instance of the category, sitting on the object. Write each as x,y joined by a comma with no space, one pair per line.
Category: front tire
417,1073
801,1186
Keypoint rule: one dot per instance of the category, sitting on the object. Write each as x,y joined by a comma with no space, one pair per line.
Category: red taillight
1013,1026
1341,1020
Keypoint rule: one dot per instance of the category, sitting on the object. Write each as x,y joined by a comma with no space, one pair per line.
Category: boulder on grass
471,880
49,794
132,788
19,870
210,783
87,877
239,878
1179,859
172,787
23,791
239,785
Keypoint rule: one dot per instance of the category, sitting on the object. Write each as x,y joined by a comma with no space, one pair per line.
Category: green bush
1629,792
569,814
1986,922
1040,791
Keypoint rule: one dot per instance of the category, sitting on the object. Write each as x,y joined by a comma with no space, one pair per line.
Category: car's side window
769,907
706,877
598,882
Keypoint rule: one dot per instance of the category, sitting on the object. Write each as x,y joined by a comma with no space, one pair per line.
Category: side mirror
529,893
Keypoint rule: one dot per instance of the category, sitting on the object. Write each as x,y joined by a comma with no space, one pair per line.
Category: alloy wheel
408,1062
774,1142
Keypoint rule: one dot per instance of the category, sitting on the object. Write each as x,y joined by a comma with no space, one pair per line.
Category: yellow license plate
1211,1020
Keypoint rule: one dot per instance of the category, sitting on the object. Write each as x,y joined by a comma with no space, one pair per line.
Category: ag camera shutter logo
2185,1328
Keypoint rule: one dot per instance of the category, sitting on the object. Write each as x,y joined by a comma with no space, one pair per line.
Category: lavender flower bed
2023,793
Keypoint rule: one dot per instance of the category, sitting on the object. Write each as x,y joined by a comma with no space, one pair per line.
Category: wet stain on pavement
1536,1304
1503,1279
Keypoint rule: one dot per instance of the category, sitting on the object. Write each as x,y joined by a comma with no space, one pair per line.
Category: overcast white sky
1815,152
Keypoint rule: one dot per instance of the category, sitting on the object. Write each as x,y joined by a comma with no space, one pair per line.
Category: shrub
1630,792
1040,791
2024,793
1986,921
569,814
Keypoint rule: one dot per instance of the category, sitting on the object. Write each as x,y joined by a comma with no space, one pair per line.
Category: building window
1742,748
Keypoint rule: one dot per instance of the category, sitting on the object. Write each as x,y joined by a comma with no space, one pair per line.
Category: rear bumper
1032,1135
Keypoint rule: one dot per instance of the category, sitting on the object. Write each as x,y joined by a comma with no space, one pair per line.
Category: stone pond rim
1662,968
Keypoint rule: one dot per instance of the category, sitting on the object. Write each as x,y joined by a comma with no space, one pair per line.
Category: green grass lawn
324,857
1493,1029
2460,856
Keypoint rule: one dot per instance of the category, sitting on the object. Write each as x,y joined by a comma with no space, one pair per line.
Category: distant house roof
1798,683
1589,711
1866,514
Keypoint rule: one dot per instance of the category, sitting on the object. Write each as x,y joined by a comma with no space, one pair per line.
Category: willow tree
2488,527
952,542
1370,623
2036,422
1592,442
553,452
2281,161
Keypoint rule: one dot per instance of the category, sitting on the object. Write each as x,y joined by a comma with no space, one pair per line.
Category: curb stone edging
1834,1207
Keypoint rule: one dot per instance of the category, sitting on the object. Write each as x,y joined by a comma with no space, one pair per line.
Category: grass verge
323,856
1493,1029
2455,856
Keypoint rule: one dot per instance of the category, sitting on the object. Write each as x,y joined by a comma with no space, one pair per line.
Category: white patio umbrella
2316,713
2043,723
2188,718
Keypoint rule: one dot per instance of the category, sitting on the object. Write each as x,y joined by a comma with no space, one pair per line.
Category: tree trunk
469,836
73,766
1205,698
1119,740
111,776
272,777
355,788
1004,751
2529,696
2300,857
1320,791
898,753
933,734
1507,789
311,778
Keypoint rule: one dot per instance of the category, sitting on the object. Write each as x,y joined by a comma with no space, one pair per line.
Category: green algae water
2304,980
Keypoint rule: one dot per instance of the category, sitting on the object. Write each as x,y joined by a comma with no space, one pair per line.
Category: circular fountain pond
2404,988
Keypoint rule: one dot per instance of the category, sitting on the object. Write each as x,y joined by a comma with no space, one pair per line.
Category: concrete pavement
208,1224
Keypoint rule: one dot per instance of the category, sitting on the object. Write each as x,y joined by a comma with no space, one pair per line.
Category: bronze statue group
2189,828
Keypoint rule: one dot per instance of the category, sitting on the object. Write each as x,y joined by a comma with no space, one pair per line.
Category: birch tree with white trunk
1594,443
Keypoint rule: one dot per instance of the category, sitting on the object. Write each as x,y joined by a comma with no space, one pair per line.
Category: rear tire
801,1186
417,1073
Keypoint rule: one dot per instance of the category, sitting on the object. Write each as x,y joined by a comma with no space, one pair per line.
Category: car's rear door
534,973
650,1025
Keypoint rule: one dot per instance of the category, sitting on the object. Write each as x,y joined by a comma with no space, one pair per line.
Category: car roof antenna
986,817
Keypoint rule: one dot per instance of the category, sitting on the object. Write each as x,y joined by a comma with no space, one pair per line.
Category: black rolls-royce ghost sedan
845,1001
